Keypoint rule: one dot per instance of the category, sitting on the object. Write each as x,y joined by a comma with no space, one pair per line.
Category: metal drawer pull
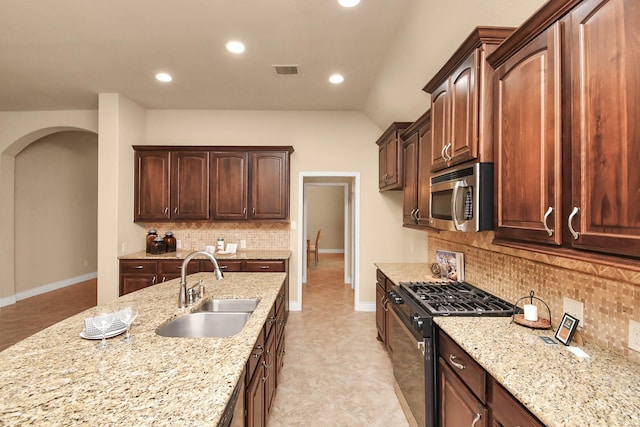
139,267
261,348
224,267
544,222
264,267
476,419
454,363
574,233
153,280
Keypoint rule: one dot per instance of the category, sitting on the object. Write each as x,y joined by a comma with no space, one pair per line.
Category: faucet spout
182,297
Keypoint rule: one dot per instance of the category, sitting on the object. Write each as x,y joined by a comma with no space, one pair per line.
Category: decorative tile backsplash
259,236
611,295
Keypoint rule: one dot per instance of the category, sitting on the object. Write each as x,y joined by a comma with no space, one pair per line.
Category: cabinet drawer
231,266
507,410
256,357
380,278
138,267
472,374
175,267
264,266
269,325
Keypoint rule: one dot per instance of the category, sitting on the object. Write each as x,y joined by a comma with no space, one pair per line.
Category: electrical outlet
243,244
124,247
574,308
634,335
294,225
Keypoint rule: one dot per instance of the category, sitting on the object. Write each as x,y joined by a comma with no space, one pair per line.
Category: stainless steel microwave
461,198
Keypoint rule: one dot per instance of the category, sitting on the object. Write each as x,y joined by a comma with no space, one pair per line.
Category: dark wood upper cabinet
567,130
189,185
416,146
528,142
202,183
462,100
171,185
269,185
229,178
152,185
605,131
390,158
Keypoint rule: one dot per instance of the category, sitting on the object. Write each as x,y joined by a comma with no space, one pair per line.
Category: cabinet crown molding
478,37
287,148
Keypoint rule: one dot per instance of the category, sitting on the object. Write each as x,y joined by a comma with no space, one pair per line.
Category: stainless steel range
413,336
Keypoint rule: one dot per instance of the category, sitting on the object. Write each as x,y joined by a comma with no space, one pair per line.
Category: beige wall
431,33
56,182
325,210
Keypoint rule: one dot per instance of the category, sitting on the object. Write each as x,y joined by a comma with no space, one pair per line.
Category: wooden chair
313,249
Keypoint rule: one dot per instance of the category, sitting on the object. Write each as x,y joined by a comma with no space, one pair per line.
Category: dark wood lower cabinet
459,407
469,396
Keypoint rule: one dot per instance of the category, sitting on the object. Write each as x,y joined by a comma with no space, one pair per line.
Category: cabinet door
269,185
382,165
506,411
189,185
394,165
229,183
270,372
152,185
463,111
528,143
424,176
254,399
458,406
440,126
605,107
133,282
381,322
410,190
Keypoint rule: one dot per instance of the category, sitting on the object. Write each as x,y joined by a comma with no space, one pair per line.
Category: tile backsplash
611,295
259,236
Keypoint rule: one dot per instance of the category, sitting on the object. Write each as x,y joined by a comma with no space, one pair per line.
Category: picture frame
567,328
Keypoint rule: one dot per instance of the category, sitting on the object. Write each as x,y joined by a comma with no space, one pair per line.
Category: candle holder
541,323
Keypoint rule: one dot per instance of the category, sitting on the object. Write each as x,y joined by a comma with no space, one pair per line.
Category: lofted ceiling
60,54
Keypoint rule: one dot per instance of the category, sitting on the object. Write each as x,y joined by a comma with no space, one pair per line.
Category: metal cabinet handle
442,152
454,363
417,214
164,279
253,211
264,267
446,152
544,222
476,419
574,233
153,280
139,267
261,348
166,211
244,212
413,211
175,210
224,267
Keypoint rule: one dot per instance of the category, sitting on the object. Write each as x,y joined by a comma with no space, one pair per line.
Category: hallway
336,373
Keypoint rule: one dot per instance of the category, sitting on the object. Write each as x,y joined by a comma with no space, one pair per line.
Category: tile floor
336,373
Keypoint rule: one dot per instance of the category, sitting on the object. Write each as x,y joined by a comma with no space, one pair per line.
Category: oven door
409,370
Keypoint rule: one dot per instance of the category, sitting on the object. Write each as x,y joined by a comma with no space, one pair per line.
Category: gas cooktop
456,299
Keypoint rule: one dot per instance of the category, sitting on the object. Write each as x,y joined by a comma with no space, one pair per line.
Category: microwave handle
454,200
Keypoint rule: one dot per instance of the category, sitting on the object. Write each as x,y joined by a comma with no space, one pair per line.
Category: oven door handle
419,344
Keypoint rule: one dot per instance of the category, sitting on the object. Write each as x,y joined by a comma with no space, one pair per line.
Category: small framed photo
566,329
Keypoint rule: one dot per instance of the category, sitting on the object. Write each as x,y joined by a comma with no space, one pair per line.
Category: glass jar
169,241
158,246
151,236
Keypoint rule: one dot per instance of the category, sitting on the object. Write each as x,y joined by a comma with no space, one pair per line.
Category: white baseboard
295,306
366,306
46,288
331,251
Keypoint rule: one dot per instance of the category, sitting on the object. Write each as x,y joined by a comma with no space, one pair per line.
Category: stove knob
419,324
397,299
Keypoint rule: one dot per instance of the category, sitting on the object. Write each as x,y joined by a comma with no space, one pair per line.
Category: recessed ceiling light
348,3
164,77
235,46
336,79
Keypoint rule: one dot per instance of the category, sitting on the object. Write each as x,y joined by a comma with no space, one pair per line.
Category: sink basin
227,305
204,325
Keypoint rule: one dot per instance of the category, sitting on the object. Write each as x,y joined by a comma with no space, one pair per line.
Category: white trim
47,288
366,306
295,306
301,238
331,251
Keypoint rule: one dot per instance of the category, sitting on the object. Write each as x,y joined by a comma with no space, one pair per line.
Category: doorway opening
348,185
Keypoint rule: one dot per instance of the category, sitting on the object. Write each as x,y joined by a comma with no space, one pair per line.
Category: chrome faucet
182,297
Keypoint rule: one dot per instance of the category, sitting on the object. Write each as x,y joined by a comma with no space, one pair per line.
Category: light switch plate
634,335
243,244
574,308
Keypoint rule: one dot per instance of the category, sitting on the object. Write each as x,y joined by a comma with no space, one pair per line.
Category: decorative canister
158,246
170,241
151,236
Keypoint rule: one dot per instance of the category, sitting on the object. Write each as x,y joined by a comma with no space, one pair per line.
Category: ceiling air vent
286,70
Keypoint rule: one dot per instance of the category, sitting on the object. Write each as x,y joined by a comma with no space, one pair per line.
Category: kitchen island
555,385
55,377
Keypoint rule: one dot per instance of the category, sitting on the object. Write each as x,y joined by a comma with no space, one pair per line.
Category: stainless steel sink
205,325
230,305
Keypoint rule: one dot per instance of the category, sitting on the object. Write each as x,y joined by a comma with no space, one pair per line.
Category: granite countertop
55,377
554,384
240,255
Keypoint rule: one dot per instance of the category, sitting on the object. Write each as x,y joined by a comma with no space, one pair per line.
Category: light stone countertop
239,255
55,377
555,385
